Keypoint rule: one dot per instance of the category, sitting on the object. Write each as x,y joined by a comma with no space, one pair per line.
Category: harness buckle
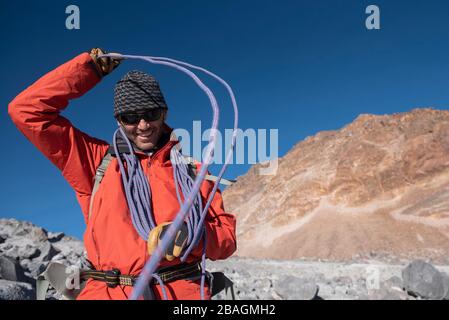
112,278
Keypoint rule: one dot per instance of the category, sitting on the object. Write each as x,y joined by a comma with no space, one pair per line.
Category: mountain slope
377,187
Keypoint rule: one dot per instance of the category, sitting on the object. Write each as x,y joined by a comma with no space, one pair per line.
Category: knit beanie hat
137,91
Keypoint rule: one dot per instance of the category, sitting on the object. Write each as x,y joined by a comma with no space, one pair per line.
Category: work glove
175,247
104,65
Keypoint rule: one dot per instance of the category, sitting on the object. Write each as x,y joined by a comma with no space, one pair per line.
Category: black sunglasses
134,117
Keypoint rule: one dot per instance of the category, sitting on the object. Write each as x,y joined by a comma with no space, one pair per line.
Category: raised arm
36,113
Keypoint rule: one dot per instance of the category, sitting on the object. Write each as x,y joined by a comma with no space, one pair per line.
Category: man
113,244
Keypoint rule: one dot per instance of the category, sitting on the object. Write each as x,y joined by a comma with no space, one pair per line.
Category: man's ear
164,115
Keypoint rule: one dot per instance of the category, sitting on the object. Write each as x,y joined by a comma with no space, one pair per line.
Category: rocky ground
304,280
26,250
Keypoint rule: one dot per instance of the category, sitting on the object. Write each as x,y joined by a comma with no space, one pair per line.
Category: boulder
10,269
421,279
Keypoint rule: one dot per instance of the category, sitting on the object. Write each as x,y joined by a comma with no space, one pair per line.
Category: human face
144,134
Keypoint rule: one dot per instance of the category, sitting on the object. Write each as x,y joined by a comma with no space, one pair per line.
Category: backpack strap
98,177
223,181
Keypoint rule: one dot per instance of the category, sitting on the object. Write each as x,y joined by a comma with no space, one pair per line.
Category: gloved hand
175,247
104,65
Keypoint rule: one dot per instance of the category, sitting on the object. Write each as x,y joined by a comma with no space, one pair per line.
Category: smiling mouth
145,135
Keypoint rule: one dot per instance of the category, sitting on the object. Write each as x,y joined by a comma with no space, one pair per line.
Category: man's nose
143,124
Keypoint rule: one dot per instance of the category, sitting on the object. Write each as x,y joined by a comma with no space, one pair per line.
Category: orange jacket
110,238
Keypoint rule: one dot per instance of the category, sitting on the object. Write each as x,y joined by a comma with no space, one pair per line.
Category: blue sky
296,66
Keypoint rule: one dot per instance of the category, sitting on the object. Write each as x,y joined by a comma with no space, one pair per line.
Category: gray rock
352,293
293,288
423,280
7,227
38,234
59,257
10,269
6,246
20,248
19,232
28,252
55,236
394,282
445,285
392,295
343,281
11,228
11,290
69,247
25,263
37,267
244,274
47,252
